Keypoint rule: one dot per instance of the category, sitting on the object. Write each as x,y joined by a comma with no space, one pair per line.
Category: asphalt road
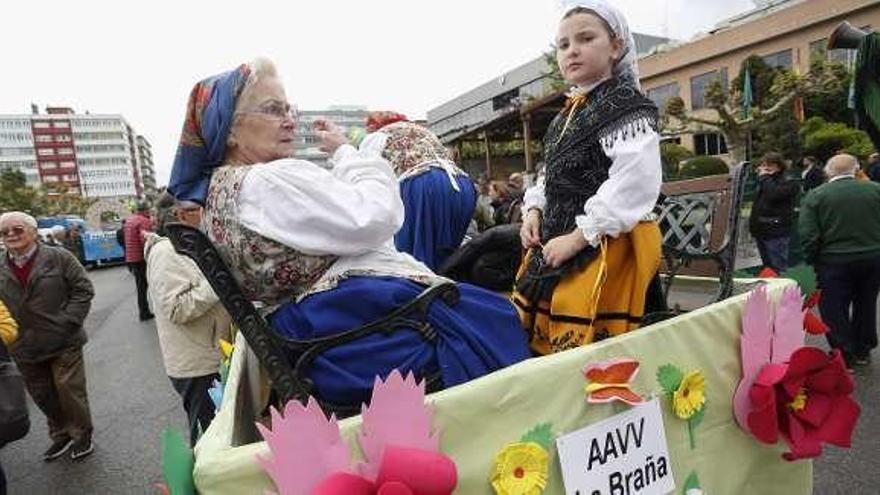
132,402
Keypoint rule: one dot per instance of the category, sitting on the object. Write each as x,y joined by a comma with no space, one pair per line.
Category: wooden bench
700,221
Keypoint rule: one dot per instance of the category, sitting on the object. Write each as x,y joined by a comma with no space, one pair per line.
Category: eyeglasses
276,110
13,231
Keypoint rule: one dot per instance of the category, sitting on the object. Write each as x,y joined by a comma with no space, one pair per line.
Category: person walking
839,227
136,228
49,295
190,319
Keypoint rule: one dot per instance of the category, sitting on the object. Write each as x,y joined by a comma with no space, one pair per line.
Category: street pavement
132,402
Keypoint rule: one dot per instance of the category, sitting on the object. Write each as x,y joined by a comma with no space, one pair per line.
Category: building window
41,125
44,138
48,165
50,178
65,151
46,151
61,125
62,138
661,94
710,144
779,60
67,164
700,83
819,50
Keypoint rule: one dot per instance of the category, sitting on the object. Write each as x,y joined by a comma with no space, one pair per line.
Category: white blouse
626,197
352,211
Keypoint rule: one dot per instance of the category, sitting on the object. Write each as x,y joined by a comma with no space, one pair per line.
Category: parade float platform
477,419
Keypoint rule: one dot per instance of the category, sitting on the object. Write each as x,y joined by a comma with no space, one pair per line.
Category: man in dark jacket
839,227
49,295
772,212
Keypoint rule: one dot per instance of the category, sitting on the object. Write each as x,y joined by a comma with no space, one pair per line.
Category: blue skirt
436,216
480,334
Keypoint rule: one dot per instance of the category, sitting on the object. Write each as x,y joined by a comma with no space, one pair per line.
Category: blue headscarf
209,114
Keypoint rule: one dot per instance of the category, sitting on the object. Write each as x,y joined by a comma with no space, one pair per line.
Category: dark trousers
198,405
2,481
774,252
58,387
139,270
849,304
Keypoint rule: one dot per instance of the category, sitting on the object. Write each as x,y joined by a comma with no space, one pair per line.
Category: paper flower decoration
806,401
767,337
521,468
692,485
177,465
216,394
690,396
610,380
402,452
687,392
806,279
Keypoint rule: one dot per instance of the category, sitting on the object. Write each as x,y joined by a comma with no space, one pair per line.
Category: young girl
593,247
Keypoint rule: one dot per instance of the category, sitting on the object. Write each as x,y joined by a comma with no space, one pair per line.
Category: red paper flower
807,401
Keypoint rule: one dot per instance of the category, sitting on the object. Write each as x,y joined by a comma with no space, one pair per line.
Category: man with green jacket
839,227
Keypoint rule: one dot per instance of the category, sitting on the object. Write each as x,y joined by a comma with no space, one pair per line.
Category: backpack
14,421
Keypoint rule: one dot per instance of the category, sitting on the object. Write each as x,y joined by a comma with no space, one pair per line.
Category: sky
141,58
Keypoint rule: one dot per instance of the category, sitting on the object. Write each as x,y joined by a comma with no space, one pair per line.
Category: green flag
747,94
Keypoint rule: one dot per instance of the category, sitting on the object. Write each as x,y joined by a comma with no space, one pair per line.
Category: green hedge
702,166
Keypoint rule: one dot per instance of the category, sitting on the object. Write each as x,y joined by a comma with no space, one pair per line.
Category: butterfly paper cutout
610,381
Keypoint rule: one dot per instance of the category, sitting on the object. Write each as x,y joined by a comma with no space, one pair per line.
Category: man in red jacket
136,228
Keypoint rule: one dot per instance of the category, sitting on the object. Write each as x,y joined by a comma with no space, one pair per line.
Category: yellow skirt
597,301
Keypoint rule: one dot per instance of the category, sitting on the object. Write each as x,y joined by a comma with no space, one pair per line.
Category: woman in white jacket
189,317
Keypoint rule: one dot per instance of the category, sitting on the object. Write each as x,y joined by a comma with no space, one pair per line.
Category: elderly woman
316,243
439,198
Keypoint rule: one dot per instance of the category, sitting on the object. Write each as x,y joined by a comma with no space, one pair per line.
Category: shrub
672,155
702,166
825,139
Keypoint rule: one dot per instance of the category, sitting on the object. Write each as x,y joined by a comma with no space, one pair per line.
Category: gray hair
20,216
260,68
841,164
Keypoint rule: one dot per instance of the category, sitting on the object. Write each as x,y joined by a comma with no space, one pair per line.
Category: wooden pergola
526,122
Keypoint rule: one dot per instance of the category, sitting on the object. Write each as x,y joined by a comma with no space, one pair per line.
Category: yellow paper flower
520,469
690,396
800,400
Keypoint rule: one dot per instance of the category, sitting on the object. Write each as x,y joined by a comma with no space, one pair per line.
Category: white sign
622,455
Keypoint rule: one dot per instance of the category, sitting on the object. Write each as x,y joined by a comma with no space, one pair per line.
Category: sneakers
57,449
81,448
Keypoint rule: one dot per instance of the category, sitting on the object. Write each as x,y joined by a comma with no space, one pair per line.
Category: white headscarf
626,66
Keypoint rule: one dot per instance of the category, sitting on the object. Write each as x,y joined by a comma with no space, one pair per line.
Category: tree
824,139
555,81
770,100
16,195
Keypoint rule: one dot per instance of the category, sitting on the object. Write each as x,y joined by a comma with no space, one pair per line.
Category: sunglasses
17,230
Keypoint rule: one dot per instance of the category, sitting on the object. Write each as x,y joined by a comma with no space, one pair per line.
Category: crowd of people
542,264
835,211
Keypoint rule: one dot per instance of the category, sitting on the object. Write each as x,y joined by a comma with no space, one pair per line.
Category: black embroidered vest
577,166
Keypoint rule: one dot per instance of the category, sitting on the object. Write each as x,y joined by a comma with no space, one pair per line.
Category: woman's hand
530,232
564,247
330,136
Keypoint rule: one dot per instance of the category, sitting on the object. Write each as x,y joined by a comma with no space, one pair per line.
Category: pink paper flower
806,400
